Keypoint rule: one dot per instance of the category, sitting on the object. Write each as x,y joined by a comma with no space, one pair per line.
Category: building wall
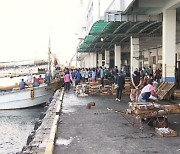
90,11
127,2
157,52
93,10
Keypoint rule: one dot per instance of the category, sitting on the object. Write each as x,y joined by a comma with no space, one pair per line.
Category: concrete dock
100,131
67,126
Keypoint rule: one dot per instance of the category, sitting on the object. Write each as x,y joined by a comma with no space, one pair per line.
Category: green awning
99,27
103,35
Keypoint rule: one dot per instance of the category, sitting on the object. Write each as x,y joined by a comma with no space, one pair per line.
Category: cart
152,114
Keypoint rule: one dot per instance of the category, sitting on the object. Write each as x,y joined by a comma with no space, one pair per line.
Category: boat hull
28,97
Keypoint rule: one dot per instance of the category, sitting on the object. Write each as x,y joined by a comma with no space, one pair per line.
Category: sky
27,25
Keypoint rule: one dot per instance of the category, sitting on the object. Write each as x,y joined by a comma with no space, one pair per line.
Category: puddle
175,122
68,110
62,141
74,103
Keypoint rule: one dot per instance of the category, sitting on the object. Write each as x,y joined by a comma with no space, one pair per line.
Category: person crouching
148,93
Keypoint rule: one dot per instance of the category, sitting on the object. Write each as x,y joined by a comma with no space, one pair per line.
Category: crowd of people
90,75
143,81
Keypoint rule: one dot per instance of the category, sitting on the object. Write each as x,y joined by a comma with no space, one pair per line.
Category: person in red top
67,81
157,75
35,82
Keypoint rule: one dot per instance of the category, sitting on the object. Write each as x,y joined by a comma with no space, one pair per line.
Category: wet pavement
101,131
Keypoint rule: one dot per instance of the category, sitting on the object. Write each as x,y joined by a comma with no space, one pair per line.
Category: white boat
29,97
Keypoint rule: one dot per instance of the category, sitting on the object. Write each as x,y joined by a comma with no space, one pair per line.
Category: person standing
93,75
115,73
30,78
150,71
86,75
83,74
135,85
106,73
120,82
67,81
157,75
102,75
47,78
77,77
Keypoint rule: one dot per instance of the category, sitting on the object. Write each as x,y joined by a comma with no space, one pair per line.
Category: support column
99,59
107,59
93,59
149,57
156,58
117,56
134,54
169,45
88,60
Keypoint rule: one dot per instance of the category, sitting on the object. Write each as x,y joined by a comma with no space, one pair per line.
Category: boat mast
49,57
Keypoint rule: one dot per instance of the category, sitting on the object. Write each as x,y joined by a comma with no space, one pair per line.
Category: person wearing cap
120,82
148,92
135,85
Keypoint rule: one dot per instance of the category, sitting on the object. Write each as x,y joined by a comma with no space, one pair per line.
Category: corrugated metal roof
117,33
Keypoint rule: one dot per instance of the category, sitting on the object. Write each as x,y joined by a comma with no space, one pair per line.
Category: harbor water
16,125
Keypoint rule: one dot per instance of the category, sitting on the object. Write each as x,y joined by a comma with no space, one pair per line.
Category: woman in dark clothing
135,86
120,81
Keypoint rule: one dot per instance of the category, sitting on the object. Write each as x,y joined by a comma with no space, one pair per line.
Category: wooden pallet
165,90
176,94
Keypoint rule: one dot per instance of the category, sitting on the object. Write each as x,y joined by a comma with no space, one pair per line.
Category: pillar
134,54
87,59
90,60
117,56
169,45
149,57
157,59
93,59
99,59
107,59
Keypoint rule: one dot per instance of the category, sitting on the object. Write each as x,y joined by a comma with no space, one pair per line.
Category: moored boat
28,97
13,98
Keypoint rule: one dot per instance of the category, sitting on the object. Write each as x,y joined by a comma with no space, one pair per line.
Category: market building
135,33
